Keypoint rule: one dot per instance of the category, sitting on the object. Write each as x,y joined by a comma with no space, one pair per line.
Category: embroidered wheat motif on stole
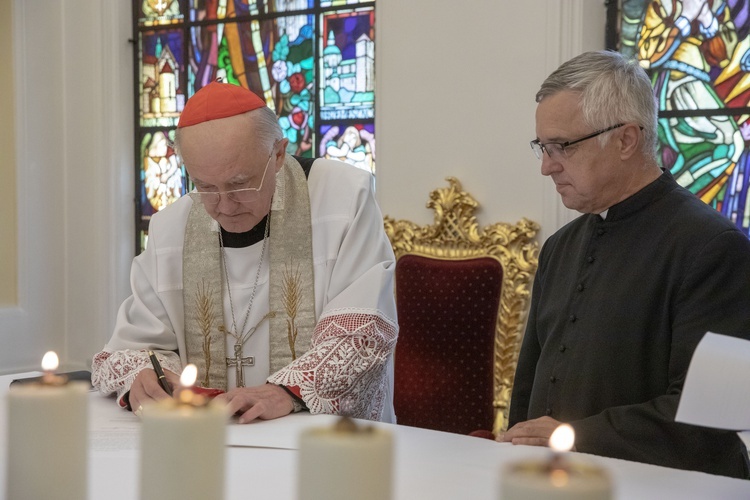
291,292
204,304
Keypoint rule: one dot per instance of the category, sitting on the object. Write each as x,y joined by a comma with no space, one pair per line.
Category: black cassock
618,307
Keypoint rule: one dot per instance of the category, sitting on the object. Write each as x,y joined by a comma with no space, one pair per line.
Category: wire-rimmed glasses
557,150
244,196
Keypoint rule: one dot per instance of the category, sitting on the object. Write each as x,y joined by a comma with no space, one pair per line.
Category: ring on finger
138,411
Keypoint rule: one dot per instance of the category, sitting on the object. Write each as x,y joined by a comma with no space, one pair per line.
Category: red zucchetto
218,100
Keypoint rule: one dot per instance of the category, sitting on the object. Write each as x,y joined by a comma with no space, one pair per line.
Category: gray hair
613,90
263,125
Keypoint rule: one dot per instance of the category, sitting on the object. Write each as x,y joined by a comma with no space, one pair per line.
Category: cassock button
552,379
590,259
600,231
572,318
580,287
549,411
562,348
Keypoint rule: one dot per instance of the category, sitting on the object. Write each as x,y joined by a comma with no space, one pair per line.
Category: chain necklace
244,335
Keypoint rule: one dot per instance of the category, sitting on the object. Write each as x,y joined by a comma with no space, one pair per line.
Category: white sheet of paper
281,433
745,437
716,392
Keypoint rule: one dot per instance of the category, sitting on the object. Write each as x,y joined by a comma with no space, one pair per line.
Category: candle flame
50,361
563,438
189,374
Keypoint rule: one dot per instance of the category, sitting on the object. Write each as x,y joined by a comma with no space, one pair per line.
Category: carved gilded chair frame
455,235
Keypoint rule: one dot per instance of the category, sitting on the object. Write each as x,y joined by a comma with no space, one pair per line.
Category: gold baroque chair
462,297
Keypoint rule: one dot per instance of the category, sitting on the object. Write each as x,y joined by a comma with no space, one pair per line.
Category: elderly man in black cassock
623,293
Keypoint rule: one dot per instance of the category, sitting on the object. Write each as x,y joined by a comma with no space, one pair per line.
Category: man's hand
146,388
532,432
265,402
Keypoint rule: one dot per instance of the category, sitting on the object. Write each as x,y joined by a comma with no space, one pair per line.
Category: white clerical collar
603,215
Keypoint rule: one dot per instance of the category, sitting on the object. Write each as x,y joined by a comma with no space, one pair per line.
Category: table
428,464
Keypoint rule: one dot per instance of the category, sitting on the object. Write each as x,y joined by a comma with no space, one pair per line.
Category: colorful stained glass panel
160,12
163,178
273,58
202,10
350,143
311,61
161,96
342,3
698,56
289,5
347,65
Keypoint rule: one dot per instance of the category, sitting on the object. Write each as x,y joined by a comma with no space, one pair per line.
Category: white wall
455,96
74,178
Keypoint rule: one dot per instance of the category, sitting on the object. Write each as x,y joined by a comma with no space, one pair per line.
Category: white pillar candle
558,478
47,439
183,446
344,462
532,480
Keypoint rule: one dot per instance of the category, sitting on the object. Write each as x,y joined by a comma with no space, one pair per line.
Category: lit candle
558,478
183,445
47,437
345,461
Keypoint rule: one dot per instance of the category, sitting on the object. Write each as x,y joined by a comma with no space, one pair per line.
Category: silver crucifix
239,362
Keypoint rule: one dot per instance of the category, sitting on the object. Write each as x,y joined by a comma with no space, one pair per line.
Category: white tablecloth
262,462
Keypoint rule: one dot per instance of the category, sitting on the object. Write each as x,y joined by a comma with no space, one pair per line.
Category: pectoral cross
239,363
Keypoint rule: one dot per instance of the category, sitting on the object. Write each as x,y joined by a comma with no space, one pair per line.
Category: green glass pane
143,240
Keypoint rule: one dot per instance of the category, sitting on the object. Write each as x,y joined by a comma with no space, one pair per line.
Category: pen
160,373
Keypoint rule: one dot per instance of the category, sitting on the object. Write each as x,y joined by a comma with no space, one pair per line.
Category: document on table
281,433
716,392
111,428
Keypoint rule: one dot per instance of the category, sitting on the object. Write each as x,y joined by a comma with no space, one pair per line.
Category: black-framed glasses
244,195
556,150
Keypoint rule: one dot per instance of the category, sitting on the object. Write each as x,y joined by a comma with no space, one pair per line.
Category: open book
717,388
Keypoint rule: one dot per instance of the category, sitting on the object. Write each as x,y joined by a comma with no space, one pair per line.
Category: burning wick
561,441
50,362
187,380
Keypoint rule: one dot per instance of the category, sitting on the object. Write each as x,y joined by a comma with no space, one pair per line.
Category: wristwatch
298,404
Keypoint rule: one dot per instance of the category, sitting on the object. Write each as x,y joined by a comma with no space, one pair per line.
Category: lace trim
115,371
346,364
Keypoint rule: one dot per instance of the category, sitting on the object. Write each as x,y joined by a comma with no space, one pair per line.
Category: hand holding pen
160,373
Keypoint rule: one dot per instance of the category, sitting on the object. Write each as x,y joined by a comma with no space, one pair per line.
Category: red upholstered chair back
462,296
444,371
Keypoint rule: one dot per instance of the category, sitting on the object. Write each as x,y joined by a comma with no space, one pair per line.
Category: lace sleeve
345,363
115,371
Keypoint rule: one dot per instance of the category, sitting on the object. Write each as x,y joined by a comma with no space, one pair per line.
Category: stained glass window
698,56
312,61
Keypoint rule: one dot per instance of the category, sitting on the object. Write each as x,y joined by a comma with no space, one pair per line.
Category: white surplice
351,355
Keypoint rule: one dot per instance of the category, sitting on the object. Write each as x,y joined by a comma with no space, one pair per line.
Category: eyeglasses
557,150
244,196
